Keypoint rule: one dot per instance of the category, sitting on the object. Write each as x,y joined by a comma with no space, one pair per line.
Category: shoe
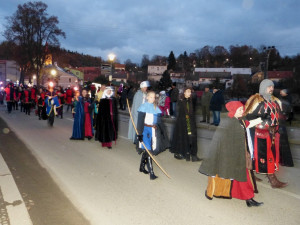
188,157
153,176
212,124
178,156
195,158
203,121
275,183
109,147
143,170
251,202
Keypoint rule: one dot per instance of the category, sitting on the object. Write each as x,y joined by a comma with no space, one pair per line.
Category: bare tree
30,28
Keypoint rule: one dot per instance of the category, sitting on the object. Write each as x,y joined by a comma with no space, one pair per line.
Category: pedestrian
151,133
229,163
107,121
216,103
266,137
184,141
69,96
1,96
285,158
174,98
27,100
78,123
138,99
61,99
17,96
205,103
51,103
9,96
164,103
123,98
194,99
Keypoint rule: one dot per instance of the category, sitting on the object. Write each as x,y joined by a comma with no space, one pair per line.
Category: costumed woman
184,142
151,132
107,119
229,163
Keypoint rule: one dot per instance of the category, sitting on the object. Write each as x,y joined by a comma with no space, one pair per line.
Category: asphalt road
106,187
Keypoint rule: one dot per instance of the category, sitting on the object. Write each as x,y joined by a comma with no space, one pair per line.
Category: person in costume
61,98
17,96
9,91
229,163
138,99
51,103
265,135
164,103
82,125
107,120
69,96
285,158
151,132
184,141
27,101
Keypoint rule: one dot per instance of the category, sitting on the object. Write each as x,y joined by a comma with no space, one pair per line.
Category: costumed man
61,99
151,132
9,91
285,158
107,120
229,163
41,105
184,141
27,100
17,96
33,96
138,99
51,103
266,136
69,96
78,124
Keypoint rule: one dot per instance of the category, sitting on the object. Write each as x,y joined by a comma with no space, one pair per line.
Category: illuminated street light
111,57
53,72
34,77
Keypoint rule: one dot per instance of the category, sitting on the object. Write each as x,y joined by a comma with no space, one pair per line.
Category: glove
140,138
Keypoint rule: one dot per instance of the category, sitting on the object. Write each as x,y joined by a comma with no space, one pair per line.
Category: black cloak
107,120
182,143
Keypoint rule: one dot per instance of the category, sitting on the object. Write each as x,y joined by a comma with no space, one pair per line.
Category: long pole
136,131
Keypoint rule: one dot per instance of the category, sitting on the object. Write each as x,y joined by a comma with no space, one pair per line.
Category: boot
195,158
188,157
150,169
275,183
143,164
251,202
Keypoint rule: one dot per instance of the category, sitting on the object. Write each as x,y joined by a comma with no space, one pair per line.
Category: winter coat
217,101
174,95
205,99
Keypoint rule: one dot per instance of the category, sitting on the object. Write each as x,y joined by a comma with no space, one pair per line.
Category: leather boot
143,164
275,183
150,169
188,156
251,202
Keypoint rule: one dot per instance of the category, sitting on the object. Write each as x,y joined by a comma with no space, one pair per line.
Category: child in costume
151,133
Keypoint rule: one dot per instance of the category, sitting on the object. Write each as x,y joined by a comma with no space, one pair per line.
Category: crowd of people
252,139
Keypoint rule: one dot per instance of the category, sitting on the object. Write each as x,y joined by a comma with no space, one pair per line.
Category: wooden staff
137,133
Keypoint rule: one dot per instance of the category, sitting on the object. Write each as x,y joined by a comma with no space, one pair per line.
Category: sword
137,133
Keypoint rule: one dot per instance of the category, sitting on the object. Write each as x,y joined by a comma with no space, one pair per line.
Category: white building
9,71
156,70
232,71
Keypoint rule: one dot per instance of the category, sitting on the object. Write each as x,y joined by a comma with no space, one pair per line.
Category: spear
137,133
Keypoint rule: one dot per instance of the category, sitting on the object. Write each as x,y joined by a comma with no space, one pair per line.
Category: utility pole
267,51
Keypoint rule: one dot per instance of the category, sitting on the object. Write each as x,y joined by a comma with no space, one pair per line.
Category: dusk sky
132,28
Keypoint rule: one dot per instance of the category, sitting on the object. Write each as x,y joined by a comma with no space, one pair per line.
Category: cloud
132,28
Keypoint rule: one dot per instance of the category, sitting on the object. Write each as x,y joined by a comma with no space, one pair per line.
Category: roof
214,75
280,74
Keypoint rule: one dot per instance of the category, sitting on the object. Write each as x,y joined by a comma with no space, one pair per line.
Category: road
107,188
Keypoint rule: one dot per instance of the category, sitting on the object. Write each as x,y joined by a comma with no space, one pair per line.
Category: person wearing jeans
216,103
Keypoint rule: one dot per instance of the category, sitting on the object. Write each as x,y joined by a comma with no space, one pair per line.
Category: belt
147,125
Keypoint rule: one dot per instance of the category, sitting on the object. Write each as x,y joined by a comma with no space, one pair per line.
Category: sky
132,28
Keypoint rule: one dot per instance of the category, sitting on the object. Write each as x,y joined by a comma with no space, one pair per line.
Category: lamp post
111,58
53,72
268,50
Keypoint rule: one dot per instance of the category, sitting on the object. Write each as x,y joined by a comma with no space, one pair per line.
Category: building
79,74
121,76
90,73
272,75
156,70
106,69
60,77
232,71
9,71
119,67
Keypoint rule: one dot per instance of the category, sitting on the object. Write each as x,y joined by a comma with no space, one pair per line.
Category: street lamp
111,58
268,50
53,72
